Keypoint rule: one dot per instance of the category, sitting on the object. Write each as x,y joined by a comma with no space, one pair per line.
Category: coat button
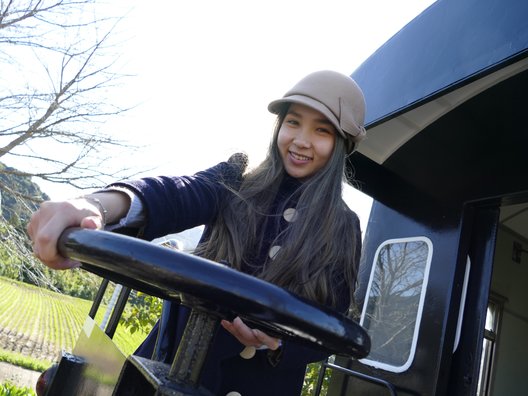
248,352
233,393
290,215
273,251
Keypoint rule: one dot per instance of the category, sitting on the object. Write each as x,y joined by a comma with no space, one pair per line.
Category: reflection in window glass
491,316
392,311
491,333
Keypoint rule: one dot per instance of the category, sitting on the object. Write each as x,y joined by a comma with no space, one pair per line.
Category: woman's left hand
248,336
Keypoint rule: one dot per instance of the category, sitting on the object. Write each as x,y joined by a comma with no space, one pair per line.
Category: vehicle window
489,344
395,295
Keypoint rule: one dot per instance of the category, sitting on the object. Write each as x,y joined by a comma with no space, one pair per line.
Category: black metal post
98,298
192,351
117,311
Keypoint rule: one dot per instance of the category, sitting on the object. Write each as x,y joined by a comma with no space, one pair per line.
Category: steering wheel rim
210,286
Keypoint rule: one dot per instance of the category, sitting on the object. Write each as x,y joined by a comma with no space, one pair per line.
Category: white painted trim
386,138
407,364
462,304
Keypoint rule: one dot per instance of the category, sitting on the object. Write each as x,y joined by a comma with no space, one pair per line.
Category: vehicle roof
446,102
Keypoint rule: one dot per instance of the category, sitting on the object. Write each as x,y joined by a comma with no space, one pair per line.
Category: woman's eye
292,122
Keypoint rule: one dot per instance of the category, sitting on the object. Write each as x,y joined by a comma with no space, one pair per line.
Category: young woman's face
306,141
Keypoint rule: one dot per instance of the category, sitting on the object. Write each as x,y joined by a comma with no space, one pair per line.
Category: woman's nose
302,138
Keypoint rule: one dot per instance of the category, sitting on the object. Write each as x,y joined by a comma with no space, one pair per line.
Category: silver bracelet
98,203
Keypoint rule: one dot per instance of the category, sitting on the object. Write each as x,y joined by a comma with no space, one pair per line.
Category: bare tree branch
54,97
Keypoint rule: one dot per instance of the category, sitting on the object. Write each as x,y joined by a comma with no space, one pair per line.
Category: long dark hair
319,252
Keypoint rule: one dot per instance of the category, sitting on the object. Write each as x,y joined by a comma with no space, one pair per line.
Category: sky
205,71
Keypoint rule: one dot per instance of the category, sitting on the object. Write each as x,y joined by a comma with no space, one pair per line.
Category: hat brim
276,106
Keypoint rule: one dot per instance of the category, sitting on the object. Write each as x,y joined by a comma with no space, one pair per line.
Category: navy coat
174,204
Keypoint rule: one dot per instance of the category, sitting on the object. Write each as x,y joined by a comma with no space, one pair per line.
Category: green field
38,323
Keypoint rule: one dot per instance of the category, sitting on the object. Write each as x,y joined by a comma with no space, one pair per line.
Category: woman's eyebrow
322,119
294,113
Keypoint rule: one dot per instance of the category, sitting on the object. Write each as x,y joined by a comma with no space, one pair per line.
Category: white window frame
407,364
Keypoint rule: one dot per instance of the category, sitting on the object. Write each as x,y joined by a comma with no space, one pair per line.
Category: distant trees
16,256
19,197
57,70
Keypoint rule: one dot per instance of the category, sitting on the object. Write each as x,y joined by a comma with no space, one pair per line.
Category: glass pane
491,317
392,310
485,362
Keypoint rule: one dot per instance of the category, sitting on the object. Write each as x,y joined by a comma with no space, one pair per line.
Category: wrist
99,205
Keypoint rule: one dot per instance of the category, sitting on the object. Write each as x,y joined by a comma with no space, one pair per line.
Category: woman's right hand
51,219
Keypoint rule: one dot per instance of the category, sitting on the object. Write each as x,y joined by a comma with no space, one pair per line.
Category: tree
141,313
16,258
58,69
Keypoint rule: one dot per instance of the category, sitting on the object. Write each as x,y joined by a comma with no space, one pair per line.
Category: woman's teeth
300,157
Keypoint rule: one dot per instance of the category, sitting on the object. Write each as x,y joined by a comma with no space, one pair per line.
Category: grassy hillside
35,324
39,323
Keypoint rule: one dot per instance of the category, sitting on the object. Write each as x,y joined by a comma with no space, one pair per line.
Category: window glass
491,316
489,344
393,307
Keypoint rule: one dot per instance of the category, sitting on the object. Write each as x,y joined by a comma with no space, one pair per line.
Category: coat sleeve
176,203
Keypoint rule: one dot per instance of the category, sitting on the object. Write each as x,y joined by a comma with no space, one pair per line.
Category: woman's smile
299,157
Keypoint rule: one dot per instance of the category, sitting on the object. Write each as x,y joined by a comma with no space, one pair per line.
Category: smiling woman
322,105
306,140
282,223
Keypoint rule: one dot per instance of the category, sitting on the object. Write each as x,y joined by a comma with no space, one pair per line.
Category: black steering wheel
215,288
